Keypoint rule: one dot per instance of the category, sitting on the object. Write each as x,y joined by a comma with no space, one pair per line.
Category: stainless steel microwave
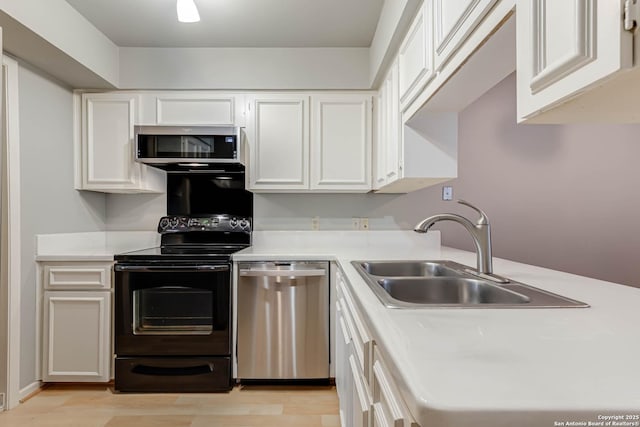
170,145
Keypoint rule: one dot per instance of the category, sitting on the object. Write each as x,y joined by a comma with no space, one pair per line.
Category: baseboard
28,391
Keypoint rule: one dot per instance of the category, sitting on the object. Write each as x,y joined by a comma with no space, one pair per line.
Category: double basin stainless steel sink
447,284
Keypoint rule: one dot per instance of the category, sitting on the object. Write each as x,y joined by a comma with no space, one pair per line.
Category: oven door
172,310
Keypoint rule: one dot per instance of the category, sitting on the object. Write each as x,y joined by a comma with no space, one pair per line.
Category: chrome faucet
480,231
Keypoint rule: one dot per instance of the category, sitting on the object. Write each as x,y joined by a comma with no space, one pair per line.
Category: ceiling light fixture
187,11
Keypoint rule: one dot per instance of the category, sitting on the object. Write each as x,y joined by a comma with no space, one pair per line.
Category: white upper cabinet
278,133
392,129
379,152
107,146
387,154
565,48
341,142
415,56
199,108
453,21
295,148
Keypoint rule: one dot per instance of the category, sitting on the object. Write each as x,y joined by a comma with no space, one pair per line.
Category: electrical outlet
355,223
447,193
364,223
315,223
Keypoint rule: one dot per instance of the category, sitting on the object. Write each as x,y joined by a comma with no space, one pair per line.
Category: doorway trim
12,176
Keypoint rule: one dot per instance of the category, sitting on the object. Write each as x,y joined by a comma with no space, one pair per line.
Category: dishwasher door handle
283,273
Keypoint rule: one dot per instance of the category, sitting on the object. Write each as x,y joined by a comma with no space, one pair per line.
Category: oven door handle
283,273
170,268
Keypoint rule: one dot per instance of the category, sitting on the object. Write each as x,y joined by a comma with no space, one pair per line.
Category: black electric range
173,306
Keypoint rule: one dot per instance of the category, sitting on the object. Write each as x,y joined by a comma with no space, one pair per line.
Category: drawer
358,332
77,276
173,374
361,397
388,407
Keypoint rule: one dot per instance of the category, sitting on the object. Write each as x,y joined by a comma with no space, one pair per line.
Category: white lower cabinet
367,393
76,338
352,361
352,386
360,397
388,406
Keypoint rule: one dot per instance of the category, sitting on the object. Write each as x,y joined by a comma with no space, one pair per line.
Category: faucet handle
483,220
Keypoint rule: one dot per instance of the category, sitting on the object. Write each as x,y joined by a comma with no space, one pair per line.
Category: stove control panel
184,224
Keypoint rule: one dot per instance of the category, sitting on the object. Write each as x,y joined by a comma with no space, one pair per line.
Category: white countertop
463,367
494,367
94,246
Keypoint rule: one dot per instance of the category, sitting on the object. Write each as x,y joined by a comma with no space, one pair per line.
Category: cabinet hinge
631,14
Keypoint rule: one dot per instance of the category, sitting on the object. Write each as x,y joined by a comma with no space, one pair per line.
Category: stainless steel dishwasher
283,320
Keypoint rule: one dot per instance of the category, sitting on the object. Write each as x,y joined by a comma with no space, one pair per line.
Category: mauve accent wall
565,197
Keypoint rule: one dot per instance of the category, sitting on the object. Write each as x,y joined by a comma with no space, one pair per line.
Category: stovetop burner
192,238
180,253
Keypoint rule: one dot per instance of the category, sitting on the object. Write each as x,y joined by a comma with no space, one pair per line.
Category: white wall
244,68
55,37
49,203
395,18
271,211
134,212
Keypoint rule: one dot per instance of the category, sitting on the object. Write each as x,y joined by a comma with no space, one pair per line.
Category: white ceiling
236,23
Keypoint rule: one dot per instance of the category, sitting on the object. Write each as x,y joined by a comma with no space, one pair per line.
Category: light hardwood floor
247,406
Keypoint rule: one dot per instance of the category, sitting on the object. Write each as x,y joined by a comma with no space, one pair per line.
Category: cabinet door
77,336
388,406
453,21
361,339
392,128
344,384
108,146
361,401
565,47
341,143
278,133
380,152
388,141
196,109
415,56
